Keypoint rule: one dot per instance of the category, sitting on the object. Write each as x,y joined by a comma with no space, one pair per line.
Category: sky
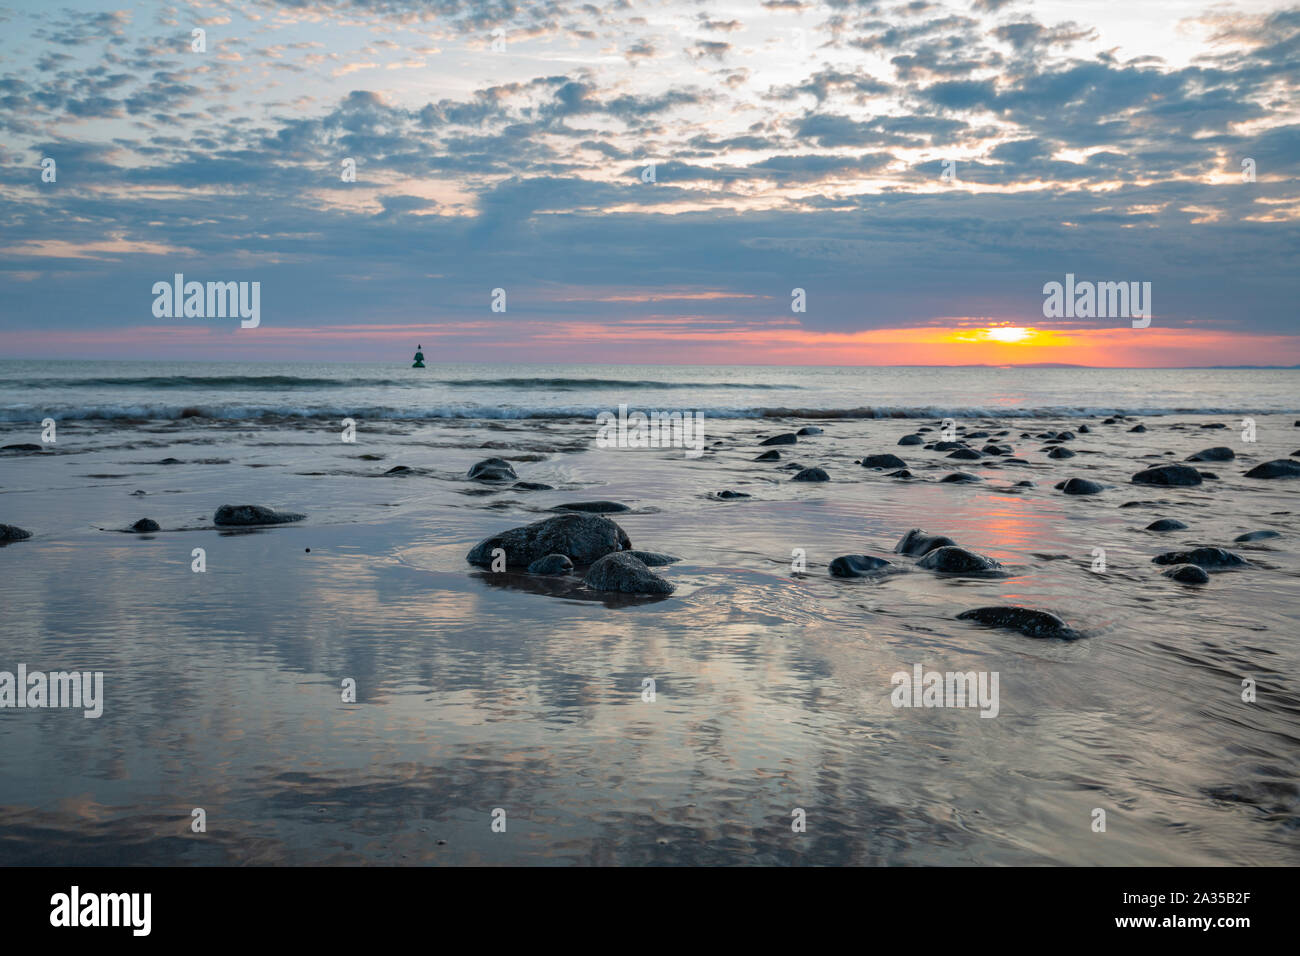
650,182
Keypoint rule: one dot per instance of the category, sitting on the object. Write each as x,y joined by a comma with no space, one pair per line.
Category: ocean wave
466,411
280,382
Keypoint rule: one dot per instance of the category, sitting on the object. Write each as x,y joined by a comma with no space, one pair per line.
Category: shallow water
480,691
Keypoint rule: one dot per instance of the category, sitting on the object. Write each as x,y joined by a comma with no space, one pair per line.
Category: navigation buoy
419,358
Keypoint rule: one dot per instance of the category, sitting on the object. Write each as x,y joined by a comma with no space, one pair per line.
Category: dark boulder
1256,536
732,495
551,564
918,542
9,532
789,438
965,454
1217,453
1027,620
22,446
1138,428
1278,468
857,565
1166,524
146,525
1082,486
624,573
912,439
532,486
581,537
1212,559
883,461
769,456
244,515
811,474
653,559
593,507
809,430
1188,574
1060,452
959,477
1168,475
492,469
954,560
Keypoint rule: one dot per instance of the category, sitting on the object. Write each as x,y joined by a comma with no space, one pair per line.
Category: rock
732,495
191,413
1084,429
1278,468
811,474
789,438
171,461
948,445
622,572
653,559
1217,453
883,461
1208,475
1110,421
809,430
1065,436
912,439
1027,620
1138,428
918,542
145,525
253,515
970,435
951,559
856,565
1188,574
9,532
901,473
959,477
769,456
1168,475
965,454
593,507
1215,425
1082,486
1166,524
532,486
22,446
1257,536
492,469
582,538
551,564
1210,558
996,450
1060,452
398,470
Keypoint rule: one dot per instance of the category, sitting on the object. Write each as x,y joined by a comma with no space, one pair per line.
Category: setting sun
1007,334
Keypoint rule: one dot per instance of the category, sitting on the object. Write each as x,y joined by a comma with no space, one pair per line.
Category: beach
479,690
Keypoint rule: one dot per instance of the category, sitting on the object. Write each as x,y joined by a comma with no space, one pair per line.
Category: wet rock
789,438
1208,475
901,473
912,439
1256,536
191,412
1065,436
624,573
171,461
551,564
996,450
22,446
1027,620
653,559
918,542
769,456
1188,574
973,435
1138,428
492,469
398,470
954,560
1217,453
1109,421
857,565
1166,524
965,454
811,474
1168,475
146,525
732,495
948,445
1215,425
9,532
1060,452
242,515
581,537
1082,486
1278,468
809,430
960,477
532,486
1212,559
593,507
883,461
1084,429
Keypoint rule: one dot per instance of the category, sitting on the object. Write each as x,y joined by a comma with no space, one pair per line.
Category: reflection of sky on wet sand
772,689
